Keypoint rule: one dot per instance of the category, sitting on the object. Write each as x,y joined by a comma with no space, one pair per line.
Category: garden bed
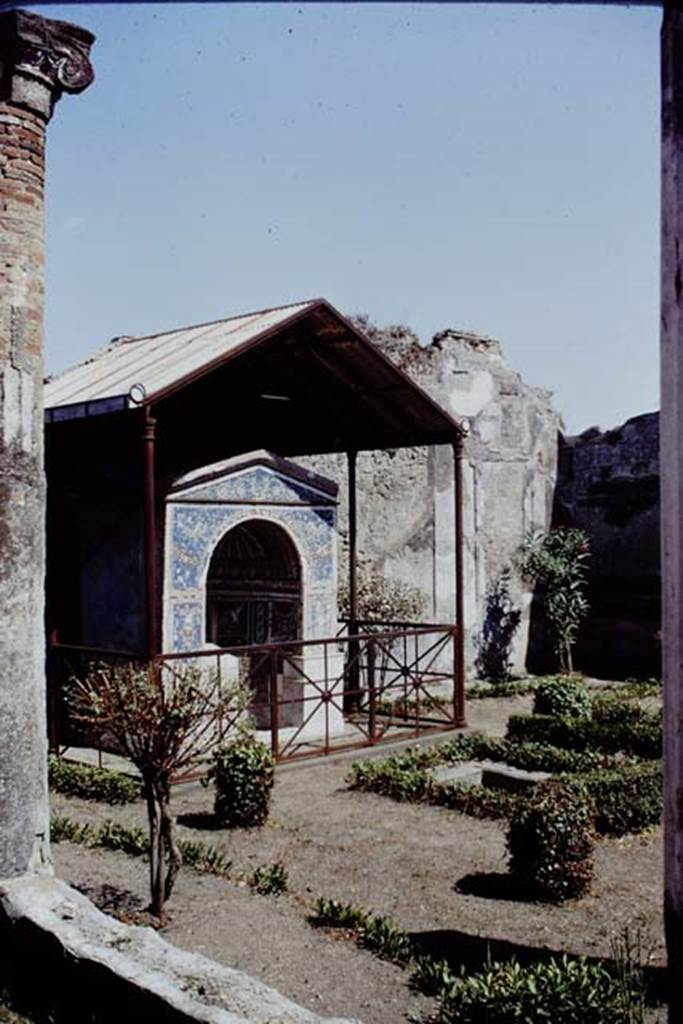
439,874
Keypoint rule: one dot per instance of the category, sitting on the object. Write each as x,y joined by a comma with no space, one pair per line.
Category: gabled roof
140,368
296,380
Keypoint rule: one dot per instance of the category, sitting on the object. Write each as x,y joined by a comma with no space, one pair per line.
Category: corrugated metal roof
145,366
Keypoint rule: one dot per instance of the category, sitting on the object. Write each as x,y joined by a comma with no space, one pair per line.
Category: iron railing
376,683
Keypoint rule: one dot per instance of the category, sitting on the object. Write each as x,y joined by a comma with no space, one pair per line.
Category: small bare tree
165,718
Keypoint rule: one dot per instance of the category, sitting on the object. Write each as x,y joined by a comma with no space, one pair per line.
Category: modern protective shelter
148,417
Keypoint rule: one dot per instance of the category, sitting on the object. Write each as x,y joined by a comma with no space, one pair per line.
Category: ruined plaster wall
609,486
509,470
395,514
406,509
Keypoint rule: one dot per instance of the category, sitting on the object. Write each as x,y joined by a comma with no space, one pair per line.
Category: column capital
40,59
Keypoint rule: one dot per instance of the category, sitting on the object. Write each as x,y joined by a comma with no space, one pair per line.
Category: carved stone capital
40,59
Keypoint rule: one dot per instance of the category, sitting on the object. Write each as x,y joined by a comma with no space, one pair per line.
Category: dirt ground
398,859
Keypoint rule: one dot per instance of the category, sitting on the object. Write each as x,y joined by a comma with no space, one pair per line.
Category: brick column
39,60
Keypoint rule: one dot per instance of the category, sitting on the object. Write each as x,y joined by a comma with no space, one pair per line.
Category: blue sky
492,168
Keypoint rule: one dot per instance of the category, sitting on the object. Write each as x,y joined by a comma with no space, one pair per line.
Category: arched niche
254,587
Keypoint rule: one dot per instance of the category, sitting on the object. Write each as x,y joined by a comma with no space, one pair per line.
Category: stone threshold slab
62,954
494,774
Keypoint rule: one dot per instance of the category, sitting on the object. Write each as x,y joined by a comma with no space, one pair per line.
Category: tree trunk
156,888
174,857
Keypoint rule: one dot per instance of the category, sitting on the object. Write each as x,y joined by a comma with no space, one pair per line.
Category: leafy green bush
627,799
398,777
562,696
404,777
243,774
558,562
636,731
550,841
91,783
564,990
626,791
561,991
382,599
270,879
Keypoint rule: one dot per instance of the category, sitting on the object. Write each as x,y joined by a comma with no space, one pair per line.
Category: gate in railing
374,683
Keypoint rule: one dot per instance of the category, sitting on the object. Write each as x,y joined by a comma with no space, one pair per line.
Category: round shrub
550,841
563,697
242,772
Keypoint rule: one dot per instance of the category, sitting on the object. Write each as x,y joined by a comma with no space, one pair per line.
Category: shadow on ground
473,952
206,821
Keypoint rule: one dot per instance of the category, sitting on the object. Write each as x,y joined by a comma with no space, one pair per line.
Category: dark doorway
253,589
254,596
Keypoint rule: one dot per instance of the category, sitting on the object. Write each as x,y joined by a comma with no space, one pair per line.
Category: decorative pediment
255,478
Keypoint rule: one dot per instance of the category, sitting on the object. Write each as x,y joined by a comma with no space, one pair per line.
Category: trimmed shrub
561,991
562,696
475,801
636,732
398,777
550,841
90,783
542,757
627,799
517,688
243,774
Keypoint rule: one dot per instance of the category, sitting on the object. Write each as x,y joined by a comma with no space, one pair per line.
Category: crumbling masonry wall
609,486
406,509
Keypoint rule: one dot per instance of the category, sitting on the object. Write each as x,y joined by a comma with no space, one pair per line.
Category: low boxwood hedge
617,727
562,695
90,783
626,791
628,799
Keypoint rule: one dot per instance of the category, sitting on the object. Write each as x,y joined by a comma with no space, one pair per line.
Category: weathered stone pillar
671,471
39,60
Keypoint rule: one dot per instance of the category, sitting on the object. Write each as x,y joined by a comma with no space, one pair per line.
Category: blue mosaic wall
194,530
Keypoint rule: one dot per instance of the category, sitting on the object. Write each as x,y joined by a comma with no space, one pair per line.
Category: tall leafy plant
558,562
